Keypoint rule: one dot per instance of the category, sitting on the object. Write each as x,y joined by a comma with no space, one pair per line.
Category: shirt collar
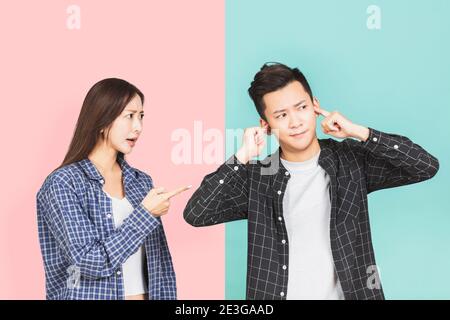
92,173
326,159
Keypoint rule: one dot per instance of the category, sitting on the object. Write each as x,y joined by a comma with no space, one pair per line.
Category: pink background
172,50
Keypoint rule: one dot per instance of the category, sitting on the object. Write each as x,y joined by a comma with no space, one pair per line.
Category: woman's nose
137,126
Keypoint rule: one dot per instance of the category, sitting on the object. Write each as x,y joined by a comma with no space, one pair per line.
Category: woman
99,222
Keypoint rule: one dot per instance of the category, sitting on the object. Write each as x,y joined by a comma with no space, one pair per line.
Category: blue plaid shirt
82,250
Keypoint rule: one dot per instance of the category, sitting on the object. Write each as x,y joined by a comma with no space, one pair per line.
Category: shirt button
279,192
396,147
375,139
108,215
236,168
283,241
280,218
118,273
221,181
286,173
284,267
282,294
102,181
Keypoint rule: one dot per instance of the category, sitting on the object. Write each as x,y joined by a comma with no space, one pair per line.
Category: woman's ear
104,133
263,123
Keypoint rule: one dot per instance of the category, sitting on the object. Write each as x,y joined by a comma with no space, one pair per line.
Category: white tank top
134,267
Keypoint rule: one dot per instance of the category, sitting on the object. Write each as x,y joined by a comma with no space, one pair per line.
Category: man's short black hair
271,77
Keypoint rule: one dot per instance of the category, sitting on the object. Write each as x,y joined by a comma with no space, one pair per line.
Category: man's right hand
252,144
157,201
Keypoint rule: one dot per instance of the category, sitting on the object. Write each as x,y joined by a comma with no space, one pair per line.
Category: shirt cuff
234,167
378,140
142,220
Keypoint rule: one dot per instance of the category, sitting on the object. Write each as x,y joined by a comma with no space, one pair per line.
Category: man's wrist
361,133
242,156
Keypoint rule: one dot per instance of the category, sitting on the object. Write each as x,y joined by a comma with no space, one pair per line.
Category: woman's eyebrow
133,110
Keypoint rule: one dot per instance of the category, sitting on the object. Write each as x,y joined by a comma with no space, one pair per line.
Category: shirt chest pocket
348,201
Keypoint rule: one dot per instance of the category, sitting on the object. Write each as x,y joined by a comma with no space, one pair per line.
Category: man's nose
295,121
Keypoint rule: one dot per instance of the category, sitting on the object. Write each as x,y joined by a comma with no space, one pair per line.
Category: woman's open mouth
132,142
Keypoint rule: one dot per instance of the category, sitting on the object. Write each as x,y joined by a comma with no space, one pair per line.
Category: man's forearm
360,132
242,156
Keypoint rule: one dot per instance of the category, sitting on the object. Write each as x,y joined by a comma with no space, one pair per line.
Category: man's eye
302,107
282,115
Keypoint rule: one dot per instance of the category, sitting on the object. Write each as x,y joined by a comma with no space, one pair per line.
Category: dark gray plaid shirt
255,192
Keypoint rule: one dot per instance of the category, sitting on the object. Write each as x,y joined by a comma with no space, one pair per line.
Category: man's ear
316,104
263,123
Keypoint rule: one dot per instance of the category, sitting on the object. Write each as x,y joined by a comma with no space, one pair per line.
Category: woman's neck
104,158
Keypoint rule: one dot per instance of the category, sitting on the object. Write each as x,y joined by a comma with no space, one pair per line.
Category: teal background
396,79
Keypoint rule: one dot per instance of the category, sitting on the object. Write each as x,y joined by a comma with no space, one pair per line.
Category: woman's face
127,127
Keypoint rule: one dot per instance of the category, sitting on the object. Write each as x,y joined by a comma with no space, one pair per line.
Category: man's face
290,116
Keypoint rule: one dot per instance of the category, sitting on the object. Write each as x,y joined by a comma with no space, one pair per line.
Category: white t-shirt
306,210
133,269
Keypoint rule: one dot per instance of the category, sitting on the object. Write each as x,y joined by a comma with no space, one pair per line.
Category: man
306,204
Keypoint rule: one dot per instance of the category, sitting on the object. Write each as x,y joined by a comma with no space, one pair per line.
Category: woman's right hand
157,201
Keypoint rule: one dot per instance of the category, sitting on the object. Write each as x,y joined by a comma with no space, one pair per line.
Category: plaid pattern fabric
82,251
255,192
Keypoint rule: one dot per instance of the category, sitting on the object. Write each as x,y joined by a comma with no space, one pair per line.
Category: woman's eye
142,115
129,116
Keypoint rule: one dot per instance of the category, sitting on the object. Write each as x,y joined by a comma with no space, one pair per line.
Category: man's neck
303,155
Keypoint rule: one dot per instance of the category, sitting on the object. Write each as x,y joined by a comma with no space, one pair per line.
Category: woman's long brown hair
104,102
